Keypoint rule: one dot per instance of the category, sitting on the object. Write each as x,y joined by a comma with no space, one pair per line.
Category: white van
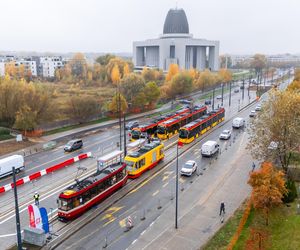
238,122
209,148
6,164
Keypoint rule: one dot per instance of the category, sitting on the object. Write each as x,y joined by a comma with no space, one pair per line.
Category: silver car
225,135
188,168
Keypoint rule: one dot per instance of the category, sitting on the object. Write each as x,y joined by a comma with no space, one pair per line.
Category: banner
45,220
35,219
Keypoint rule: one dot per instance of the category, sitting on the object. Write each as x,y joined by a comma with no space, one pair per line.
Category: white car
252,113
225,135
188,168
258,107
219,97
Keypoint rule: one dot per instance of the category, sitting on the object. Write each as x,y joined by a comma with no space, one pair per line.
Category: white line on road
134,241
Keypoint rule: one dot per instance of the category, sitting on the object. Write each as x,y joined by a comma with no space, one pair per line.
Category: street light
178,144
222,85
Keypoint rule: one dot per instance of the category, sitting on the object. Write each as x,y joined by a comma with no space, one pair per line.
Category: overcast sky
241,26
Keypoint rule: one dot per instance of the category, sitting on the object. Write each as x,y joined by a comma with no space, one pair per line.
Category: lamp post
230,93
213,103
18,225
222,85
179,144
243,93
120,123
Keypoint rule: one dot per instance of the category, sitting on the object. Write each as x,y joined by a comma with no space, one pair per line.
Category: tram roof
99,175
146,148
110,156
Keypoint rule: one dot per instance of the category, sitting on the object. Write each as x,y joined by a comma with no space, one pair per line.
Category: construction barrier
46,171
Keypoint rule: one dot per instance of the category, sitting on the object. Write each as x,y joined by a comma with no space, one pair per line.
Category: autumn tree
205,80
115,75
126,69
78,66
181,83
148,74
26,119
225,75
152,92
115,62
82,108
258,63
268,188
275,133
104,60
173,70
114,104
131,85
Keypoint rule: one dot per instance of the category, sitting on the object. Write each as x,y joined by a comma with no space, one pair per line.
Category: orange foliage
173,70
258,239
115,74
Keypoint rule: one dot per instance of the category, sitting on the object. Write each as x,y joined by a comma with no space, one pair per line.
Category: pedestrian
36,199
253,166
222,208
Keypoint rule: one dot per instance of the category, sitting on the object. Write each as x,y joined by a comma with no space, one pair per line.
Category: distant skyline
102,26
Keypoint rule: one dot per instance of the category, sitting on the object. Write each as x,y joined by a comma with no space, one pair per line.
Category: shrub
4,131
291,195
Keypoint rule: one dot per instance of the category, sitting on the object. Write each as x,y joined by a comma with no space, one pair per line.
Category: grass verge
5,137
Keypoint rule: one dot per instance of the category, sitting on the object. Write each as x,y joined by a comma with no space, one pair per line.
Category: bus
111,175
193,130
143,159
150,128
168,128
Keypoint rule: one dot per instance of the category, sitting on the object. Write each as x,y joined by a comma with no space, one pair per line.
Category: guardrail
46,171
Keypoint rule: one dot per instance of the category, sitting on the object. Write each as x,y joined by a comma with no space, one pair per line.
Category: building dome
176,22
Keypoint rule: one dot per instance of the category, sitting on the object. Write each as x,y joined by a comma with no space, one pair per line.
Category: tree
120,63
182,83
82,108
173,70
115,75
278,125
139,100
258,63
225,75
113,105
152,92
205,80
131,85
268,188
26,119
294,86
78,66
148,74
104,60
126,69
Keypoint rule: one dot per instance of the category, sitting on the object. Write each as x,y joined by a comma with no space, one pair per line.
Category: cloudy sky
242,26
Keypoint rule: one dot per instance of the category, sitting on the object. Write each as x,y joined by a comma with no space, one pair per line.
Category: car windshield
188,165
226,132
70,143
161,130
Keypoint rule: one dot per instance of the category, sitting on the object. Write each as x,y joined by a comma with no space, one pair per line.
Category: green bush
292,192
4,131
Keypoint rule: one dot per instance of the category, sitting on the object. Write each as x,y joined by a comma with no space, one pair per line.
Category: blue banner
45,220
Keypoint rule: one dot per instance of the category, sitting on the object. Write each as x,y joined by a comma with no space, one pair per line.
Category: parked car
209,148
188,168
187,102
225,135
207,102
252,113
132,124
219,97
73,145
258,107
236,91
238,122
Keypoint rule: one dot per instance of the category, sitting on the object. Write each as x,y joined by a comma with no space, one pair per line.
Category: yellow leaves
115,74
225,75
126,69
173,70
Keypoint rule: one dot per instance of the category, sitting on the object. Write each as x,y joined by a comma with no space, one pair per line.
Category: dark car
207,102
131,125
236,91
73,145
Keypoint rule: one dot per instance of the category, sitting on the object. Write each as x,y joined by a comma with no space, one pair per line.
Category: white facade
28,64
50,64
2,69
178,46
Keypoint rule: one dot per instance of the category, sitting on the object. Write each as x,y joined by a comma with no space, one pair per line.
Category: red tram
110,176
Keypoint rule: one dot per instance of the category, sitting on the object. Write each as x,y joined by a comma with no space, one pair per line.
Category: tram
194,129
150,128
111,175
168,128
143,159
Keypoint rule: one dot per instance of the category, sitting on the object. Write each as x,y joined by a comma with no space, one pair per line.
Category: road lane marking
165,177
155,193
110,221
165,184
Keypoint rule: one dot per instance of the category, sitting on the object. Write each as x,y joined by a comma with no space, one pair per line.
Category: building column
201,57
213,57
140,56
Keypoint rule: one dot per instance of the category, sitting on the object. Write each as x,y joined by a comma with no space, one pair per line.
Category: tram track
71,227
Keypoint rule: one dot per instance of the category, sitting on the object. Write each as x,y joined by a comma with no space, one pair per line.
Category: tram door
154,156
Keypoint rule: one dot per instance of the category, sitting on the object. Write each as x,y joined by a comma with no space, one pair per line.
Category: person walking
253,166
36,199
222,208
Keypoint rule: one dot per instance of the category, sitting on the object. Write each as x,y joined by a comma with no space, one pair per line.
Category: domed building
176,45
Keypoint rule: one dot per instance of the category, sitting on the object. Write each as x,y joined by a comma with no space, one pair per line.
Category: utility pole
213,103
176,191
230,93
125,148
19,240
243,89
222,93
120,124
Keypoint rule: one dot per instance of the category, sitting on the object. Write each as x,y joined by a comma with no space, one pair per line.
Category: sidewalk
198,217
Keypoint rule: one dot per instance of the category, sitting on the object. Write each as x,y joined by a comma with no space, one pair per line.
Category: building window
172,51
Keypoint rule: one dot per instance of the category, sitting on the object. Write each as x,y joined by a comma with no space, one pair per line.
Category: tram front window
64,204
161,130
130,165
183,133
136,134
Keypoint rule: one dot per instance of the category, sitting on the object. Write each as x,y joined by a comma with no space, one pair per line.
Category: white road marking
134,241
